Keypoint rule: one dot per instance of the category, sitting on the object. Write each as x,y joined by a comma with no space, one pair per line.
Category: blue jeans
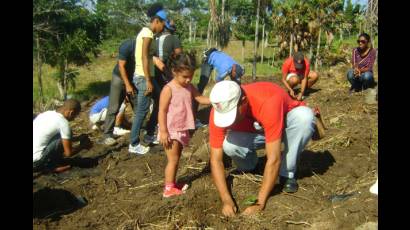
242,146
141,106
52,155
365,80
206,70
153,119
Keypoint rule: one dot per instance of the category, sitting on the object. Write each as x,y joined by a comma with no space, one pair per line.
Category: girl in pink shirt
175,116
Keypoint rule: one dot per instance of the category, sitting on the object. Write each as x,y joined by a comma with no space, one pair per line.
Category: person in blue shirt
98,114
224,66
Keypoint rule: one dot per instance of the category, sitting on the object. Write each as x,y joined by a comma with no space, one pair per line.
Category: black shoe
290,185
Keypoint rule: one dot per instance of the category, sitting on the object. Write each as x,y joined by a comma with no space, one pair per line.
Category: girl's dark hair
182,61
153,9
366,36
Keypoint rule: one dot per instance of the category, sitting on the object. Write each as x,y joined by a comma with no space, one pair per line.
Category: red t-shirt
268,105
289,67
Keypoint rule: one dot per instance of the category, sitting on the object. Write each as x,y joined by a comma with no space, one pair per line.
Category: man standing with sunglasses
363,57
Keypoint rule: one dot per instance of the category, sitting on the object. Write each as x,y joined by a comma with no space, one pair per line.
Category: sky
361,2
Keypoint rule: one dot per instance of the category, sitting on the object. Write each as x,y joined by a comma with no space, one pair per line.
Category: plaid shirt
365,62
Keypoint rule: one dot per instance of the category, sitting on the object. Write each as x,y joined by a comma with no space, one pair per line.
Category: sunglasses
362,41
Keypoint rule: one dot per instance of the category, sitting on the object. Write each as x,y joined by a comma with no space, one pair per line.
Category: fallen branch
319,177
149,169
300,197
245,177
297,222
129,217
148,185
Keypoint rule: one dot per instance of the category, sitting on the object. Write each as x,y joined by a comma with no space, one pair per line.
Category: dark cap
299,60
170,25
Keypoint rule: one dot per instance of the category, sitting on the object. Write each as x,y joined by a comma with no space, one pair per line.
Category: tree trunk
311,51
65,79
223,12
195,31
318,48
215,22
60,88
208,36
190,29
291,45
273,56
263,41
243,50
39,68
256,41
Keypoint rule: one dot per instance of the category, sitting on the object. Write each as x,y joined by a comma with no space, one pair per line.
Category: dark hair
71,104
182,61
366,36
153,9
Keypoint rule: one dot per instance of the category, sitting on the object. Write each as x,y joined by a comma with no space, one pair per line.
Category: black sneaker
290,185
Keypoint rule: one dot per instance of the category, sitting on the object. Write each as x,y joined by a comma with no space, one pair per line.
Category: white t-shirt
45,127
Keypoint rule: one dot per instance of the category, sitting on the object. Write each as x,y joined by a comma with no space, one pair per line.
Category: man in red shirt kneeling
236,108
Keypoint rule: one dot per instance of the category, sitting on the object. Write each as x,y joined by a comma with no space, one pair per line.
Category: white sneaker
139,149
198,124
375,188
109,141
151,139
257,126
120,131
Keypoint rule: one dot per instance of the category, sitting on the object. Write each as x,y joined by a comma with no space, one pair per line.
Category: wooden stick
169,212
297,222
147,185
301,197
149,169
244,177
129,217
190,167
319,177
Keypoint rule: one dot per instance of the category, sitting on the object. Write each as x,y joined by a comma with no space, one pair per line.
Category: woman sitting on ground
363,57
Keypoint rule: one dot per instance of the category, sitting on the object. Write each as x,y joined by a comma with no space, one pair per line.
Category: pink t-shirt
179,115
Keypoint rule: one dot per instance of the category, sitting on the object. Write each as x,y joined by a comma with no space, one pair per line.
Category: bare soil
122,191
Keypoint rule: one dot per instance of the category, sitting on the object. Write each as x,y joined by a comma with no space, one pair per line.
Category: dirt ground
111,189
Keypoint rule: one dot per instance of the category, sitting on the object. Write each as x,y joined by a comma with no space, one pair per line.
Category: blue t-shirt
100,105
222,63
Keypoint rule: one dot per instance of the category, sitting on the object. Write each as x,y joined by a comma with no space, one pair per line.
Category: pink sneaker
172,192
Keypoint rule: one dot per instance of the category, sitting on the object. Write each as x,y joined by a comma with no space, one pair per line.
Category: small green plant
251,200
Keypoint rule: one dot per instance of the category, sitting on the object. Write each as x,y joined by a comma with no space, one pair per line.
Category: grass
94,79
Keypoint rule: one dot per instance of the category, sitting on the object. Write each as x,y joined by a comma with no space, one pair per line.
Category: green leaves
251,200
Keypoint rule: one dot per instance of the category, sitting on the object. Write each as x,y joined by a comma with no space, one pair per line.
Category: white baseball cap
224,97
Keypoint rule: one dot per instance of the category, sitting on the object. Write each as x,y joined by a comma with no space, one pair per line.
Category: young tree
76,35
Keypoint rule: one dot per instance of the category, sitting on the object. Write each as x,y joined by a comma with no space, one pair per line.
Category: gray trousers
242,146
117,96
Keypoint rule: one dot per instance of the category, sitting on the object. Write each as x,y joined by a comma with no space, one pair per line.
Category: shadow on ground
53,203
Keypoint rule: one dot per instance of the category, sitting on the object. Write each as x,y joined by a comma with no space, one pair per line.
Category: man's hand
299,97
292,93
253,209
150,87
129,89
356,72
86,143
229,209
